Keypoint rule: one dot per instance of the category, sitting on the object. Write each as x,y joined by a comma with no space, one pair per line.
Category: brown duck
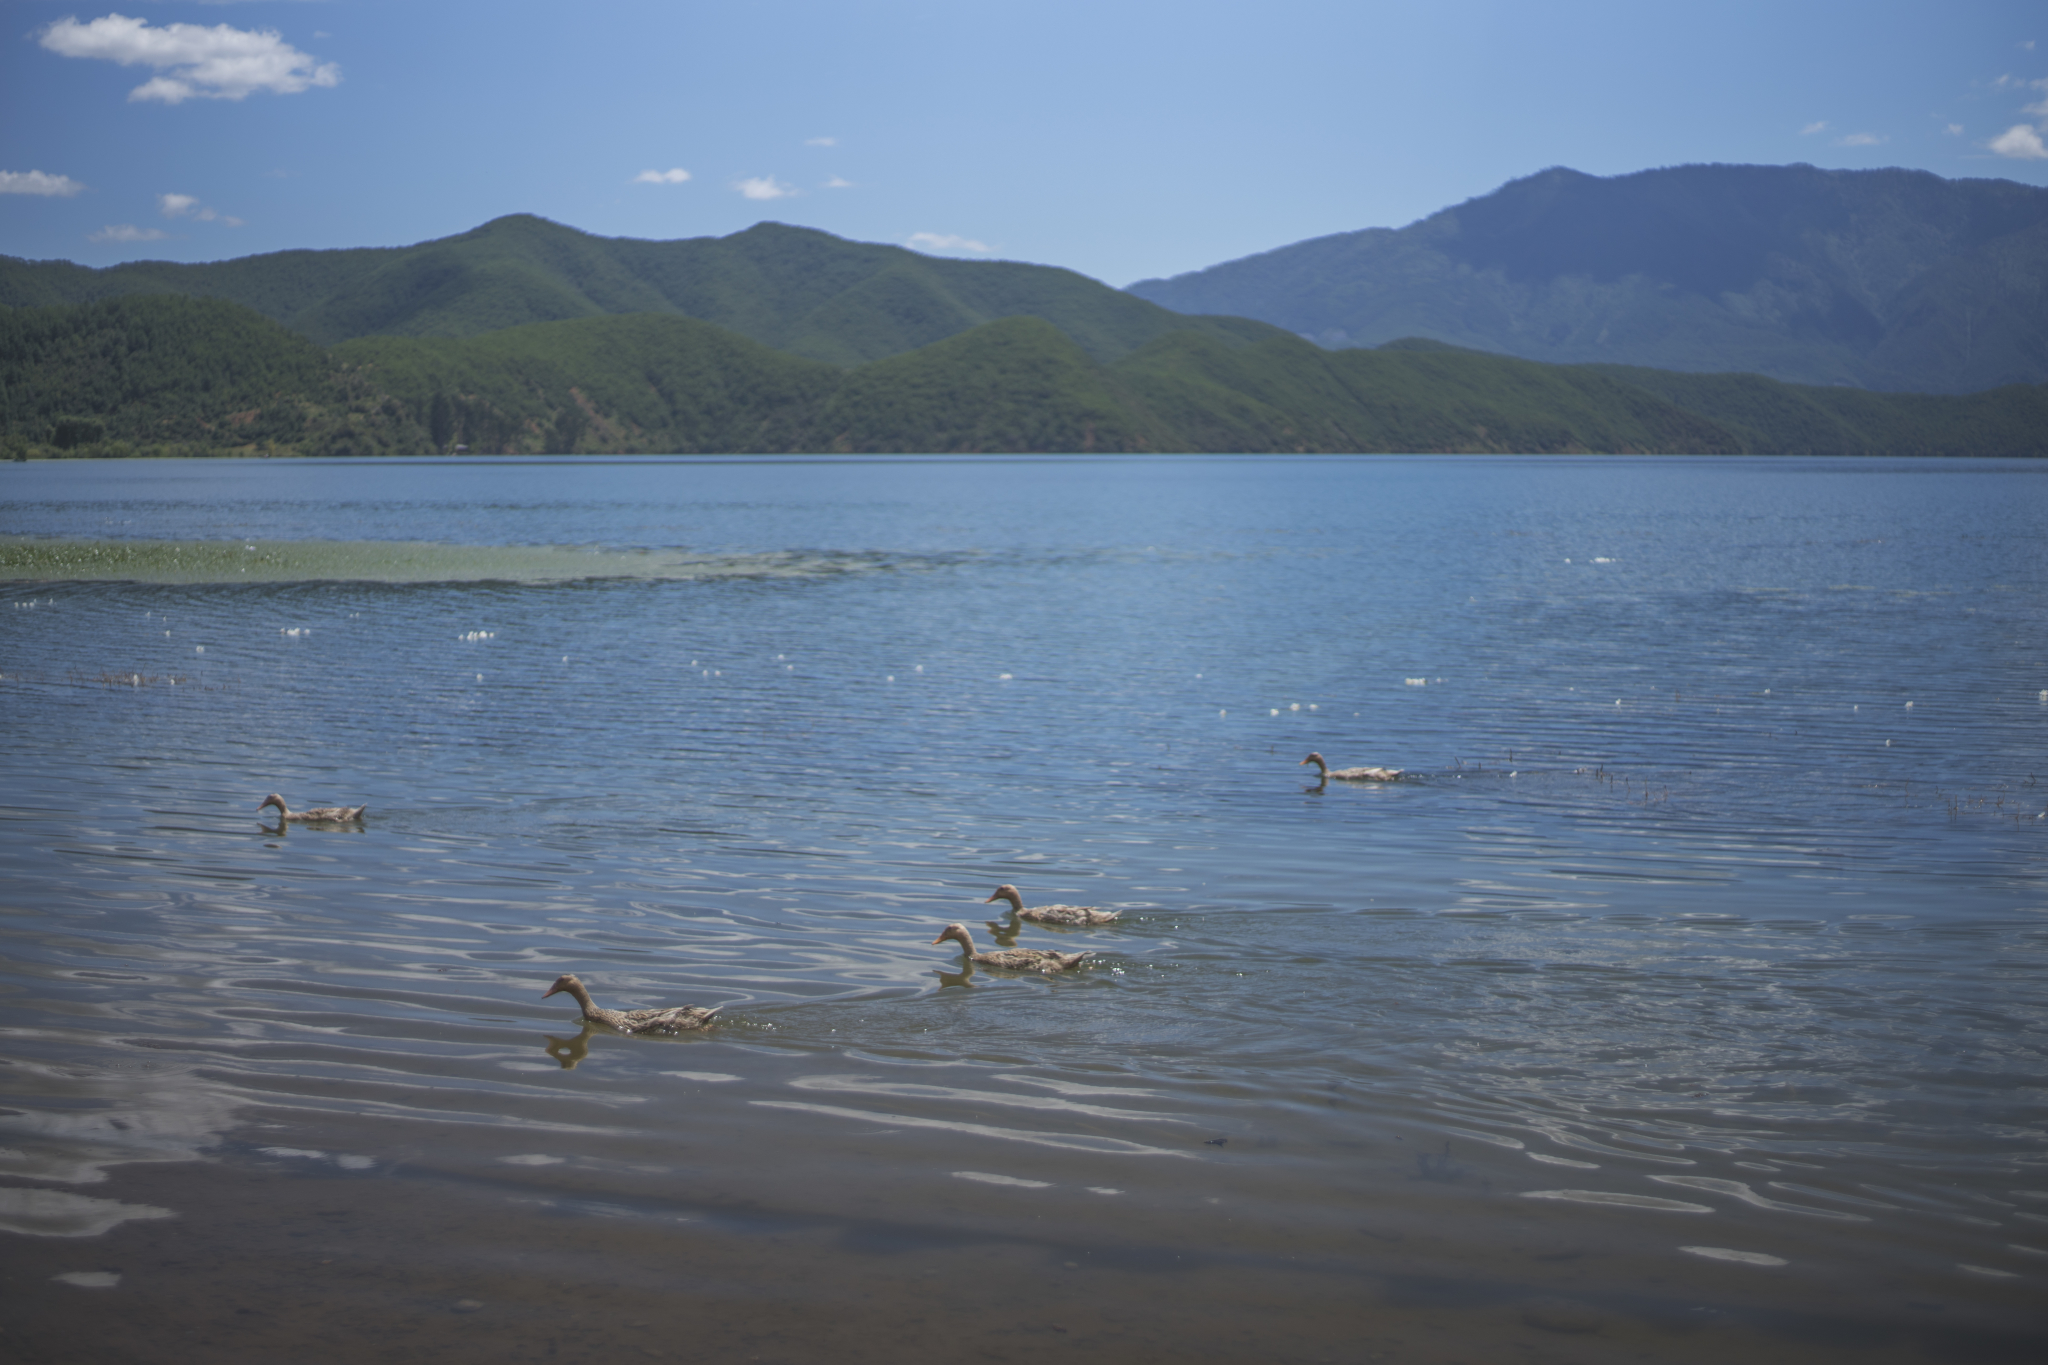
677,1019
1351,774
1051,914
318,815
1042,960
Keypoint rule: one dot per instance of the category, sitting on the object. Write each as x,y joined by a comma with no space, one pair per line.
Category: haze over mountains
1888,279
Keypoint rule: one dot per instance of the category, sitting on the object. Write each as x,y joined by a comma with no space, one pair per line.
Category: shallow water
1684,997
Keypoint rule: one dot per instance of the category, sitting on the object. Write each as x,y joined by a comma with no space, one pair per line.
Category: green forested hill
795,289
179,376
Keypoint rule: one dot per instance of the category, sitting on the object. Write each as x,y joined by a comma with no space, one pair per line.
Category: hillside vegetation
169,375
795,289
1893,280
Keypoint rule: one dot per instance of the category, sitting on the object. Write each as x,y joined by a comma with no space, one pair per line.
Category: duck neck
1322,768
582,997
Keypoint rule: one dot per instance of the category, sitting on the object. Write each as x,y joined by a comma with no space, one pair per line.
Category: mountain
795,289
170,375
1891,280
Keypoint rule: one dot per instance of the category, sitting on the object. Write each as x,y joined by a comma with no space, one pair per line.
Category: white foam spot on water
986,1178
1102,1189
1627,1201
1002,677
89,1279
54,1213
1739,1257
532,1159
700,1075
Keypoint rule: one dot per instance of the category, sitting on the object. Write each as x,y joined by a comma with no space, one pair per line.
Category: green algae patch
31,559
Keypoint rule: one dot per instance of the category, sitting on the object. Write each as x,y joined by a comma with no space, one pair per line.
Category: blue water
1685,995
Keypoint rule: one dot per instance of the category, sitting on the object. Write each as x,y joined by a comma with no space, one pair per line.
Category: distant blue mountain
1891,279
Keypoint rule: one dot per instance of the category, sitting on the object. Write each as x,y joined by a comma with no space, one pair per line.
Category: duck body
677,1019
1352,774
1067,915
318,815
1041,960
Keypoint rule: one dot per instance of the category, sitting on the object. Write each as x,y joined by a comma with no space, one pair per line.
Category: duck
1042,960
676,1019
318,815
1051,914
1351,774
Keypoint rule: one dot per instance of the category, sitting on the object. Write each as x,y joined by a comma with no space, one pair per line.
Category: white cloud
127,232
835,183
2021,143
1955,129
821,142
765,187
36,182
188,206
1810,129
1859,140
218,63
946,241
675,175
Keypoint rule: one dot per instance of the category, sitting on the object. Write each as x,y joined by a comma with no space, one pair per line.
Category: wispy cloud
675,175
36,182
1860,140
835,183
1955,130
127,232
2039,106
1820,126
821,142
765,187
2020,142
188,206
218,63
946,241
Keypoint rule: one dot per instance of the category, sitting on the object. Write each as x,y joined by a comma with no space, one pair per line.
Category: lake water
1685,998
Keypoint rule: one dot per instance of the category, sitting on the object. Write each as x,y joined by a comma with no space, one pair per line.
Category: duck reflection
569,1051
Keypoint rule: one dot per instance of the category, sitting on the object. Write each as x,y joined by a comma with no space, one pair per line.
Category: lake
1684,997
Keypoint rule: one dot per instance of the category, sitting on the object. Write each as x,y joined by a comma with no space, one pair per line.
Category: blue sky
1120,138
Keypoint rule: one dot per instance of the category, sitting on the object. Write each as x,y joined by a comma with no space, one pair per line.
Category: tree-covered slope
795,289
1895,280
169,375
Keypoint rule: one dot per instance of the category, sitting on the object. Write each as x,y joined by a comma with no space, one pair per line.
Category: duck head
1006,892
273,800
565,982
957,933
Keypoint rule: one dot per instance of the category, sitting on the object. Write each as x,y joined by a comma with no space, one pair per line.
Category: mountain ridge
1895,280
797,289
